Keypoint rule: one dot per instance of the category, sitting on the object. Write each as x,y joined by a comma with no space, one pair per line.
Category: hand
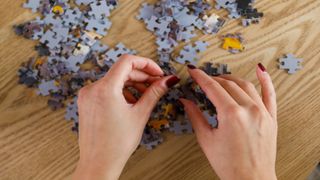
244,144
112,120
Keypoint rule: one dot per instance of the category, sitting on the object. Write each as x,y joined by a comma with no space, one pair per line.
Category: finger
240,96
120,71
129,97
199,122
141,87
148,80
138,76
246,86
215,92
267,90
153,79
153,94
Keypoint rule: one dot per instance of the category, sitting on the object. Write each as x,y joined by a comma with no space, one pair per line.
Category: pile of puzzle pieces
68,41
68,38
169,114
241,9
174,21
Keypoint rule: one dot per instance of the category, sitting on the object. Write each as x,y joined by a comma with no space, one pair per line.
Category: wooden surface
36,143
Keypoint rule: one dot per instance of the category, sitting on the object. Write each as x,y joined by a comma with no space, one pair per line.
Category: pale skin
112,120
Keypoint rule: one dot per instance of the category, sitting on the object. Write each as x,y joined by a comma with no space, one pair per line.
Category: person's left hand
111,120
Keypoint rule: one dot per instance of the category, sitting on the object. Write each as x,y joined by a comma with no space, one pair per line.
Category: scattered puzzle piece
190,52
233,43
291,63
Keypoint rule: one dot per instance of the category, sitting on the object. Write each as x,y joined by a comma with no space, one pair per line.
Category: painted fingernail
261,67
172,81
179,103
190,66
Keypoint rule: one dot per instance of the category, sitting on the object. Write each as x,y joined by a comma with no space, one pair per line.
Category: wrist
242,173
257,174
97,171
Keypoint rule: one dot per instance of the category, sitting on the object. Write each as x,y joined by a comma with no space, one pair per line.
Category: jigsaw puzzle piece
33,5
291,63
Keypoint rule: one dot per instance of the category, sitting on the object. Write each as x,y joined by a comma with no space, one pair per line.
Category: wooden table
36,143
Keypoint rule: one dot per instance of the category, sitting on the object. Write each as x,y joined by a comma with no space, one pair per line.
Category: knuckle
157,91
247,85
234,111
227,83
210,83
255,111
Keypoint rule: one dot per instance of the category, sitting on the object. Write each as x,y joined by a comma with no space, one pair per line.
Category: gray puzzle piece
164,56
290,63
84,2
100,9
72,111
61,32
45,87
164,44
33,5
98,25
224,3
52,19
98,46
180,127
184,18
151,139
73,62
187,55
50,39
146,12
159,26
212,119
201,46
186,34
112,55
190,53
72,17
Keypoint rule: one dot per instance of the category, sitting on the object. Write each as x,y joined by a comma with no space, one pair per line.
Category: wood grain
36,143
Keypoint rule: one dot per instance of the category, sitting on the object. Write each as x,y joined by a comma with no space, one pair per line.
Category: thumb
152,95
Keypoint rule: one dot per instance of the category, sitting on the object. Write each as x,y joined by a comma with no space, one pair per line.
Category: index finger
214,91
120,71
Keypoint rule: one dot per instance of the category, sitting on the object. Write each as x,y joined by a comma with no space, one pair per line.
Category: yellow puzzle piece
158,124
232,43
58,9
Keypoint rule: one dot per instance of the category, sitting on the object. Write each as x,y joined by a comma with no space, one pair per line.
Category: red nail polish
261,67
190,66
172,81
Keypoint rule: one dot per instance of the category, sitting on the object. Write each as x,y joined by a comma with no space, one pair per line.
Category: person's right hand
244,144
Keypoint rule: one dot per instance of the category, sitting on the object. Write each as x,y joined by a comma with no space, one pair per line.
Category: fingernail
190,66
172,81
261,67
179,103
